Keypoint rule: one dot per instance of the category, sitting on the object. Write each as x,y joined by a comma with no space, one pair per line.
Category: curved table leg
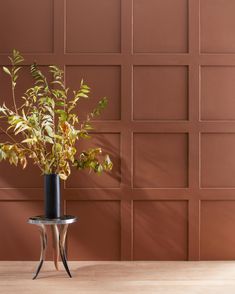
63,233
43,237
55,240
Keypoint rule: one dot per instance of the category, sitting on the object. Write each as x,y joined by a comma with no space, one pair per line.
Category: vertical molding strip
126,136
194,139
59,29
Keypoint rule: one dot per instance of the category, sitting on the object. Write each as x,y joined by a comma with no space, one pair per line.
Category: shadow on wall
160,229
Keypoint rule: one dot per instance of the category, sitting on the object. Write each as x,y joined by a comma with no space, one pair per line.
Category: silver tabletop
63,220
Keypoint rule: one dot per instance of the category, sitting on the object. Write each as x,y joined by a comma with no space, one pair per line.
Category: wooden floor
120,277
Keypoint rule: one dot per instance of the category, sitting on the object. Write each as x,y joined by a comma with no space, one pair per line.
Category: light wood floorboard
120,277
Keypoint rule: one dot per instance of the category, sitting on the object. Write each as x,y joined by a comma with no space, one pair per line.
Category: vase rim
52,174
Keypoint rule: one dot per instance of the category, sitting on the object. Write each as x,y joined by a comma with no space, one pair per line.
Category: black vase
52,196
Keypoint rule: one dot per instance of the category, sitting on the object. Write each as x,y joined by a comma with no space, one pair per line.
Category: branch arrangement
46,127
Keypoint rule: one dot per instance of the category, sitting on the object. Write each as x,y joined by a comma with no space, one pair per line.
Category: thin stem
13,89
13,96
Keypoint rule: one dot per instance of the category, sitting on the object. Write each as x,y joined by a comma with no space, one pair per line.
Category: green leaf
3,155
82,95
16,70
84,135
85,91
108,165
23,114
58,137
19,124
48,140
23,161
49,131
29,140
86,87
23,128
3,110
58,147
6,70
63,176
62,114
60,103
99,169
88,127
13,159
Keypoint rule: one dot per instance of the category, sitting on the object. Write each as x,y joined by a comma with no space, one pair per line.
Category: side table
58,238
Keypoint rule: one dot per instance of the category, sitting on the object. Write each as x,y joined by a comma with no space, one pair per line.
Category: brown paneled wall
168,68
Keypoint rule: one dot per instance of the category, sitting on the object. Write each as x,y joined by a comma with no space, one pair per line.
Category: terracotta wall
168,67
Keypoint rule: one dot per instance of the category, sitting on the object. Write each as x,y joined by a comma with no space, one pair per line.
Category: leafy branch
46,127
13,73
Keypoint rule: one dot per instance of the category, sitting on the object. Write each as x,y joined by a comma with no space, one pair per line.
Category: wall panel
171,82
160,160
217,26
21,26
166,28
160,230
217,92
217,225
97,235
167,68
93,27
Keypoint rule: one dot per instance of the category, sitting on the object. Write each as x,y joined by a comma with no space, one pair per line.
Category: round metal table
59,227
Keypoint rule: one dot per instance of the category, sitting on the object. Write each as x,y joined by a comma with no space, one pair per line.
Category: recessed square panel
26,25
217,92
160,230
160,93
19,240
110,144
217,230
92,27
160,160
104,81
217,26
217,160
160,26
96,236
